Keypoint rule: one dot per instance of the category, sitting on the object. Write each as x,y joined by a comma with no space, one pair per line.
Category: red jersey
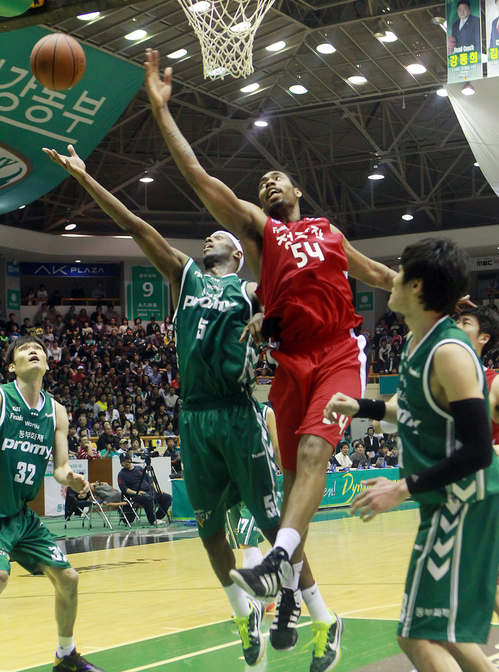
304,281
490,375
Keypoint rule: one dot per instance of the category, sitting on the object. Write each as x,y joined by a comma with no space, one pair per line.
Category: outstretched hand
254,328
340,405
72,163
159,91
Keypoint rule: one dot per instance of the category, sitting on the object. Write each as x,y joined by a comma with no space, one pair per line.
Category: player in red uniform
302,267
482,326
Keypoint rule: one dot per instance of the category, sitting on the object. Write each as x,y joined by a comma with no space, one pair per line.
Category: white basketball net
226,30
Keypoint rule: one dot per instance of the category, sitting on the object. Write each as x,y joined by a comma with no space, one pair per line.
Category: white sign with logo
55,493
483,263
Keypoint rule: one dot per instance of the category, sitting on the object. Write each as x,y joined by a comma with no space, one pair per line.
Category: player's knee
66,581
4,580
216,544
313,452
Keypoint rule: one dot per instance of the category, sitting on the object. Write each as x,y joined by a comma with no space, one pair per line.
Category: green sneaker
327,652
251,636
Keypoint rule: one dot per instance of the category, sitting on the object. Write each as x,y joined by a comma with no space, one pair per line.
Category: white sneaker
160,521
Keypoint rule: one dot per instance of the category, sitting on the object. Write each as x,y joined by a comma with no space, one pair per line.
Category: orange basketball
58,61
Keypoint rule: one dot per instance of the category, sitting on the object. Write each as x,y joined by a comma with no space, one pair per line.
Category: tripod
148,470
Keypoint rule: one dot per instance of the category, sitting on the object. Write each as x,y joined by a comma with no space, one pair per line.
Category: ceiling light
136,35
380,30
443,93
389,37
476,164
240,27
146,178
325,48
250,88
467,89
277,46
77,235
407,218
202,6
375,175
261,123
438,20
70,227
416,68
89,16
177,54
121,236
77,261
217,72
298,89
357,79
21,207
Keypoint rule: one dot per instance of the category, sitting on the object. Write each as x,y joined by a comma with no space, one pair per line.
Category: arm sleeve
472,425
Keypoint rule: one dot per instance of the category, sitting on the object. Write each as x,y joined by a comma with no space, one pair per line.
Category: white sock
316,605
64,647
238,601
252,556
288,539
293,580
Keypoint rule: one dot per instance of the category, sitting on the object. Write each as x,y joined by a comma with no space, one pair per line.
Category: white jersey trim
4,403
188,264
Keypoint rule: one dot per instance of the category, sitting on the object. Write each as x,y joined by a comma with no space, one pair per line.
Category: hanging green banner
464,40
364,301
32,117
492,37
147,294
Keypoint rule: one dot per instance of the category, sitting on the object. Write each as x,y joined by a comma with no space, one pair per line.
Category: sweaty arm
364,269
165,258
62,471
244,219
455,387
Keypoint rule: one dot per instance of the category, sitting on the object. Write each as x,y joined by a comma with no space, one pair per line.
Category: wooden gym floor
159,607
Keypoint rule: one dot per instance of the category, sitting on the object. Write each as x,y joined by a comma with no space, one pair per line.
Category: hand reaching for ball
158,90
73,164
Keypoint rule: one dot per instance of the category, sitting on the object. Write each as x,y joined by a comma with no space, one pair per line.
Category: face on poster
464,39
492,36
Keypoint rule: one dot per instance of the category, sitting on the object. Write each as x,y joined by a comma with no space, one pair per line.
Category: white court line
360,611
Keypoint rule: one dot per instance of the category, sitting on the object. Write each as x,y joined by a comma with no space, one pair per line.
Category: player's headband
236,244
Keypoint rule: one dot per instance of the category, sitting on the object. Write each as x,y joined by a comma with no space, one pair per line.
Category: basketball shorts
305,381
242,528
226,459
26,540
451,583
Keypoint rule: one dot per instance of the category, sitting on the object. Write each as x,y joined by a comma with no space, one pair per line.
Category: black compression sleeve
371,408
472,425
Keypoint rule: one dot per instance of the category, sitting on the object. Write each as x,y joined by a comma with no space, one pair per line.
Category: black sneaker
327,652
74,663
265,579
251,635
283,634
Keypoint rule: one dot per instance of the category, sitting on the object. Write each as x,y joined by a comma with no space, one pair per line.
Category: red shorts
303,384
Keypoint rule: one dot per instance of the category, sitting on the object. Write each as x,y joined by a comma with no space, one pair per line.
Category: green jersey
426,433
26,440
210,317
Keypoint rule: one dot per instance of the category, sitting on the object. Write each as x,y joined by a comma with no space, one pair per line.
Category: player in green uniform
224,439
447,465
34,427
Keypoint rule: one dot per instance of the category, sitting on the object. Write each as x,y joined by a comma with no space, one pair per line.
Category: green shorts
226,459
242,528
26,540
451,583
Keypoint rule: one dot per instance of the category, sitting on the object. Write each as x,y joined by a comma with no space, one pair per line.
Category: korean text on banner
32,117
464,40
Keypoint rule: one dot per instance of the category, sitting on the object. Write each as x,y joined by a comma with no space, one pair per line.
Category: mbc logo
13,166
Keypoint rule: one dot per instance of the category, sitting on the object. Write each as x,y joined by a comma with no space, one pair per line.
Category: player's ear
483,338
12,368
238,254
298,193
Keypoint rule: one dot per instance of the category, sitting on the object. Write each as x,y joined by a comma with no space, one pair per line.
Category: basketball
58,61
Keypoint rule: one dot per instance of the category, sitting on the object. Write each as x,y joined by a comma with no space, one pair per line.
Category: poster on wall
147,294
492,37
464,40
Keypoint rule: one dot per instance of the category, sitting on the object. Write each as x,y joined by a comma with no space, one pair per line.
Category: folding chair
78,507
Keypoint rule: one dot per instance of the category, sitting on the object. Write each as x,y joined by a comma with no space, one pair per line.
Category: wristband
374,409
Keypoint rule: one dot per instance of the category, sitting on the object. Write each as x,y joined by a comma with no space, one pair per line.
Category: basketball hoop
226,30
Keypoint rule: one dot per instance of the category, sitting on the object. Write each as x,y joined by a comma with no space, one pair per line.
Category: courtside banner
32,117
464,40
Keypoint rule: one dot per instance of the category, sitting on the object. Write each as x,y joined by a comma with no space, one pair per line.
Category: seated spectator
382,453
171,400
129,480
358,457
393,363
55,298
122,329
107,444
341,458
72,440
151,327
99,292
31,297
111,313
86,451
166,326
393,456
77,292
383,352
171,452
41,294
41,314
169,430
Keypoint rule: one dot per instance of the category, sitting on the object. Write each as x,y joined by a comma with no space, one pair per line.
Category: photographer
134,483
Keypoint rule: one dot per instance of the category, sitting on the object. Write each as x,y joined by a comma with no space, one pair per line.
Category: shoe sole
237,578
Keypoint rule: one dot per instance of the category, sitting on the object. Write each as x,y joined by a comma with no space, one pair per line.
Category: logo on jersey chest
208,302
27,447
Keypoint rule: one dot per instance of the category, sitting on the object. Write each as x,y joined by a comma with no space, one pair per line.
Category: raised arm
165,258
364,269
244,219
